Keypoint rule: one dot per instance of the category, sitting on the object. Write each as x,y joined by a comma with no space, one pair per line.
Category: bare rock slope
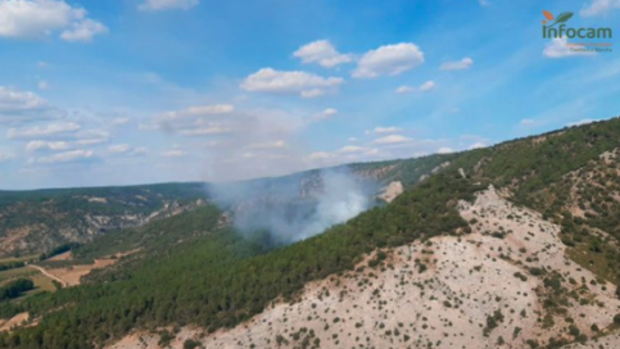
507,284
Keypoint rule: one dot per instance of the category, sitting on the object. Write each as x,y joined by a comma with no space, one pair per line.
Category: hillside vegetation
195,270
41,221
38,221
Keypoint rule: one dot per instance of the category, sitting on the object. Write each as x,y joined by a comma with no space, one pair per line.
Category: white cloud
67,156
320,155
306,84
405,89
127,149
158,5
268,145
581,122
202,120
428,86
383,130
458,65
559,48
44,131
91,141
445,150
18,106
43,85
120,121
205,131
119,148
389,60
92,136
425,87
325,114
323,53
372,152
313,93
175,153
32,19
204,110
600,7
391,139
526,122
351,149
83,31
49,145
5,155
12,100
477,145
138,151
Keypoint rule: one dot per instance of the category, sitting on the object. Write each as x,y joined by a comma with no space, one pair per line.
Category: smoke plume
293,208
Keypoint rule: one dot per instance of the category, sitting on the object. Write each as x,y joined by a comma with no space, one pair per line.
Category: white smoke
290,209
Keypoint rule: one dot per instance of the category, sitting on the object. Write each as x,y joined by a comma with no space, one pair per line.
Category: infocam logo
556,27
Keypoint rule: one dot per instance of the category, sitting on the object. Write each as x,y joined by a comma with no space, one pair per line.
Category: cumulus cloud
42,131
600,7
120,121
43,85
6,156
159,5
526,122
559,48
351,149
405,89
320,155
199,121
20,107
268,145
174,153
464,63
581,122
274,81
428,86
313,93
83,31
33,19
325,114
323,53
205,131
389,60
126,149
37,145
92,136
119,148
391,139
383,130
477,145
203,110
445,150
68,156
425,87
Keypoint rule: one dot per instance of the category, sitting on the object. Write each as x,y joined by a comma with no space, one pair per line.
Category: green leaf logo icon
562,17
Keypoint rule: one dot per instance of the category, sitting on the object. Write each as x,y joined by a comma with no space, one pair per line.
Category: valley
510,246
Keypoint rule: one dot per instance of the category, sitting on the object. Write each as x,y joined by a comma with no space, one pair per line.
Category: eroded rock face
392,191
52,225
506,283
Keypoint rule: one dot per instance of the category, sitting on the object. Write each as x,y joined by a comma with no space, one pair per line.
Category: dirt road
51,276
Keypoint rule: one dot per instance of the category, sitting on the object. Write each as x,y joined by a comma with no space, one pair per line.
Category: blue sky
141,91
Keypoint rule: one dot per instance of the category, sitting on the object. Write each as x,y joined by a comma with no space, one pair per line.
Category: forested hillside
201,272
39,221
